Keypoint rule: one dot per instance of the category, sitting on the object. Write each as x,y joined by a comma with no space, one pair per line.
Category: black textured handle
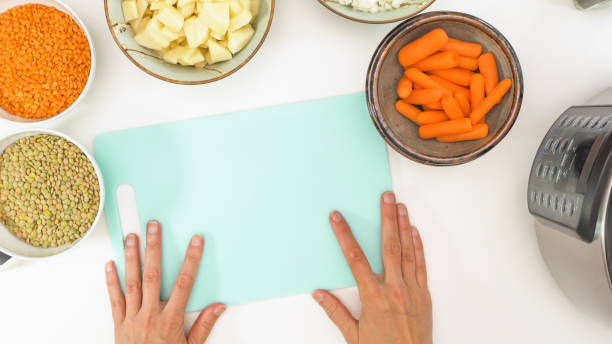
4,258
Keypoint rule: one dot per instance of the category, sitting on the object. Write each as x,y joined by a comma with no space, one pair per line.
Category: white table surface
488,281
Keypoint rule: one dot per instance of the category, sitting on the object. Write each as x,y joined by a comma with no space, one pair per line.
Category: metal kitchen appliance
569,196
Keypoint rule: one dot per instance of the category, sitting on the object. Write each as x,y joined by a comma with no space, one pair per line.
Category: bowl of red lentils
46,61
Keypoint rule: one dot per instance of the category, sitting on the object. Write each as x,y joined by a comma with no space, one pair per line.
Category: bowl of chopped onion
376,11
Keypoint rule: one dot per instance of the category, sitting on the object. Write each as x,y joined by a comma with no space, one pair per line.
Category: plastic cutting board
258,185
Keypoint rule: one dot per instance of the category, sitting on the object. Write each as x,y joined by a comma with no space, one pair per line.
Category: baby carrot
417,87
424,80
452,127
451,107
422,47
479,131
464,103
463,48
477,90
469,63
443,60
453,88
430,117
404,87
426,96
433,106
456,75
408,110
488,69
489,102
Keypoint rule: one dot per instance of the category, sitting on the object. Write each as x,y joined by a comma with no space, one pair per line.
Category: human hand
140,318
396,305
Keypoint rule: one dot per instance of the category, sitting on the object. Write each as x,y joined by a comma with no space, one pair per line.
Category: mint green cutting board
258,185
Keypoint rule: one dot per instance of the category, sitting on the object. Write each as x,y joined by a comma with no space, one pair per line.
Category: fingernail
109,266
336,216
415,232
318,296
402,210
131,240
153,227
196,241
389,197
220,309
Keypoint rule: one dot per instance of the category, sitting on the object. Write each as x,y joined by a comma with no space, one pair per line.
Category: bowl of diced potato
189,42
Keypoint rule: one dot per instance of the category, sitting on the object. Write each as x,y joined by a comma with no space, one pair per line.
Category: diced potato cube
246,4
199,7
187,10
200,64
138,25
182,3
172,55
244,18
240,38
170,17
235,8
195,31
169,35
216,16
130,10
157,5
216,53
251,5
141,6
170,2
151,37
191,57
254,7
217,36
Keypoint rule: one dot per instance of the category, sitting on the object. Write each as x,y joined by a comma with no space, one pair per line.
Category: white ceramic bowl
13,246
148,60
6,116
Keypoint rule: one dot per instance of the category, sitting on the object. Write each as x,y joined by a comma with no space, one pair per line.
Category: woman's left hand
140,317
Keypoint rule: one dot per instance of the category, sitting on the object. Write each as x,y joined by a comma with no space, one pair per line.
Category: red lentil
44,61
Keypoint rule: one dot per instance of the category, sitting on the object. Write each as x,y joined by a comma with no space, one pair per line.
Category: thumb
204,323
339,315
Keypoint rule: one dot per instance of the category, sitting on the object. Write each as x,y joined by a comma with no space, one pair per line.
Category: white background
488,281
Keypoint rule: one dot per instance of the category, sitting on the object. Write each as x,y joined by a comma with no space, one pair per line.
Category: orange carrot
417,87
408,110
488,69
427,96
464,103
469,63
489,102
456,75
463,48
424,80
477,90
430,117
453,88
479,131
451,107
433,106
422,47
443,60
452,127
404,87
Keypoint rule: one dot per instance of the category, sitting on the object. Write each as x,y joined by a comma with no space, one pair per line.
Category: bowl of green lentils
51,194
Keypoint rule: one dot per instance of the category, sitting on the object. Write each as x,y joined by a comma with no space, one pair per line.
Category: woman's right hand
396,305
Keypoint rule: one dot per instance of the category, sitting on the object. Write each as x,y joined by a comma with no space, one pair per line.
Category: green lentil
49,191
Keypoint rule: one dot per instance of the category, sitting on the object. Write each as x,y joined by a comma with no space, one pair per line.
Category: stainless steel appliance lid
571,169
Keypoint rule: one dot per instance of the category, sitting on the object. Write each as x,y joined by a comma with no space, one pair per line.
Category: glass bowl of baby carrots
443,88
